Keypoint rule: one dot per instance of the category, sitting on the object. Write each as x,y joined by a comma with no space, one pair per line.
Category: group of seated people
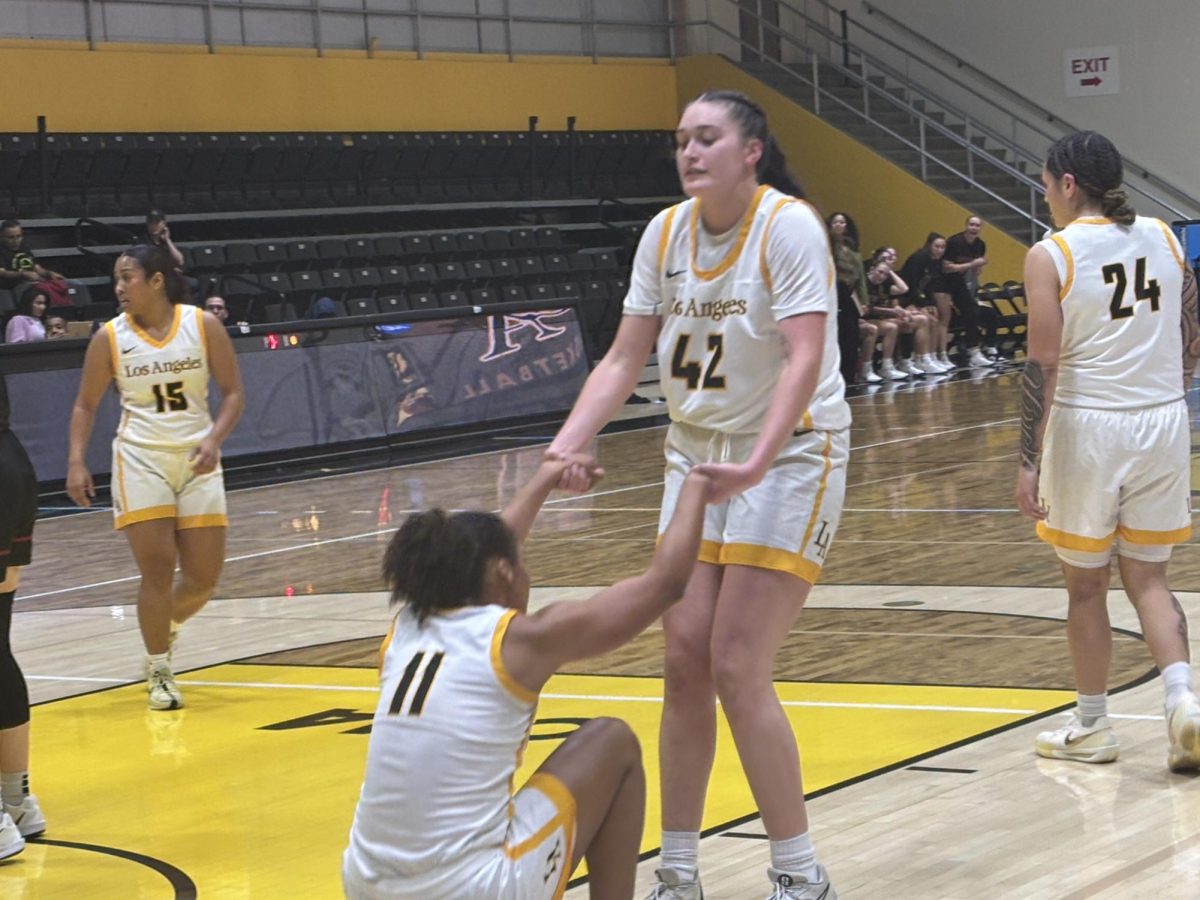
908,311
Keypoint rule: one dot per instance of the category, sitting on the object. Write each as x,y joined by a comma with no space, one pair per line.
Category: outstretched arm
536,645
522,509
1040,375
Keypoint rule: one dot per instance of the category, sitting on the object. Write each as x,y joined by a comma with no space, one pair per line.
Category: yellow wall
888,204
179,89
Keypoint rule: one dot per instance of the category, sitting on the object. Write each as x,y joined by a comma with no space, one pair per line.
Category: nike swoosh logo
129,349
671,274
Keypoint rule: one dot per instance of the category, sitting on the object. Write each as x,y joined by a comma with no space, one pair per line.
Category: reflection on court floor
249,791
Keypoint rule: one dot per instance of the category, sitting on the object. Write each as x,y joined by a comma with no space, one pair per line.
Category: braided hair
772,166
1096,165
438,560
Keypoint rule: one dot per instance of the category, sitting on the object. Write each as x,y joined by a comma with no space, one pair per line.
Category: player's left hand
205,457
1027,494
729,479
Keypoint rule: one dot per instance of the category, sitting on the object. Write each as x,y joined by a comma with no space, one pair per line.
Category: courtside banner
351,381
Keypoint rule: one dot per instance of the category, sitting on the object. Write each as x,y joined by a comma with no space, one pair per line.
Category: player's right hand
579,471
79,485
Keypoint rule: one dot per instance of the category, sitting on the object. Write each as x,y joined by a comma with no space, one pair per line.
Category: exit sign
1089,71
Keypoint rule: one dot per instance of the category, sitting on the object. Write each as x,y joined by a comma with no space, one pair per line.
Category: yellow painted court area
250,790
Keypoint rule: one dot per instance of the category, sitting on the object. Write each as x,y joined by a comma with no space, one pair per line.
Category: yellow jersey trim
144,515
1066,252
112,344
759,557
664,239
565,817
502,674
170,335
1152,538
762,250
735,251
1069,541
816,510
203,333
1170,239
387,639
710,552
207,520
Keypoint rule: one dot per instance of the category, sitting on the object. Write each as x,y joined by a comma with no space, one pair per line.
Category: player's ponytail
157,261
772,167
1096,165
438,560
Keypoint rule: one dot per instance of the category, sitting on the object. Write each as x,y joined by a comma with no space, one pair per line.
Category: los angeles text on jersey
708,309
167,367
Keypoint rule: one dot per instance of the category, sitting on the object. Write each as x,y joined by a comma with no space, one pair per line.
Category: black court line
184,887
946,769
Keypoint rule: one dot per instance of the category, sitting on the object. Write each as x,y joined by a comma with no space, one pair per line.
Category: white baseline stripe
611,698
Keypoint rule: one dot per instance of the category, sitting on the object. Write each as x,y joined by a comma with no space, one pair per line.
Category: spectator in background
966,254
56,326
29,324
18,266
158,234
922,272
216,306
322,308
856,335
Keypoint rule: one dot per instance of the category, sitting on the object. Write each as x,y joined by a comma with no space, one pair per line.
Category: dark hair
850,236
25,301
9,223
437,560
877,255
155,215
1096,165
932,236
155,261
772,165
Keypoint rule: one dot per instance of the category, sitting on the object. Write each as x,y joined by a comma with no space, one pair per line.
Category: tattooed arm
1190,323
1041,372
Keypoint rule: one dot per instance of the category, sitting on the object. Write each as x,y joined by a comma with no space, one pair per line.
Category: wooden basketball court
929,656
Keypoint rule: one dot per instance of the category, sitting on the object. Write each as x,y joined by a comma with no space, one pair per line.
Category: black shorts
18,509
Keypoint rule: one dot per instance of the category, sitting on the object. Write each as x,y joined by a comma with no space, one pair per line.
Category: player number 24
689,369
1114,274
170,396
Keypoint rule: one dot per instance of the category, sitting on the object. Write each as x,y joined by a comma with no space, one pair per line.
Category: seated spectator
884,288
56,326
322,308
922,272
18,266
216,306
29,324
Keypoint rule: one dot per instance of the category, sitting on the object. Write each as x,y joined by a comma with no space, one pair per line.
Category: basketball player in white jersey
1112,345
736,285
460,677
167,488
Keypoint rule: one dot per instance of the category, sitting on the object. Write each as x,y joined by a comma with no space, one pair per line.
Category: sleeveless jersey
446,740
721,298
1122,347
163,384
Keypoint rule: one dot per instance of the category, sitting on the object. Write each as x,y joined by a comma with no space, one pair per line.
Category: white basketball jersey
447,738
720,350
163,384
1122,347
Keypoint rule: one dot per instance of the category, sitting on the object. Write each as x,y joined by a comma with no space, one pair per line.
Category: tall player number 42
689,369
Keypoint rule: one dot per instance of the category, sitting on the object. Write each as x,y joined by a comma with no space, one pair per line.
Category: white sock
796,857
1091,707
681,852
156,661
1177,681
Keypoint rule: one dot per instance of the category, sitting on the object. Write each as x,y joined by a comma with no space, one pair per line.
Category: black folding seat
580,263
209,258
493,146
443,147
391,302
453,299
306,286
359,250
423,300
514,293
418,246
512,182
240,257
279,312
109,163
411,151
505,269
361,306
389,248
393,276
496,241
301,254
452,272
479,270
530,267
470,244
445,244
422,274
271,254
337,282
366,276
556,263
548,238
207,154
569,290
604,261
458,176
276,282
484,296
331,251
594,290
522,239
541,292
